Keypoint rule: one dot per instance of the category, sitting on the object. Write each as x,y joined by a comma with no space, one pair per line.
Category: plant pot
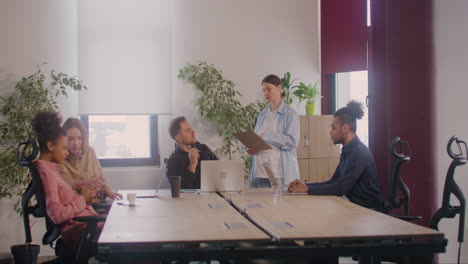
310,109
25,254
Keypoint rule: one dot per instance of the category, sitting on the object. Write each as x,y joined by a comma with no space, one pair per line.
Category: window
354,86
124,140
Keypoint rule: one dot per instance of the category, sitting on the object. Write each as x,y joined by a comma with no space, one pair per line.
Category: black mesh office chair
26,154
451,187
401,153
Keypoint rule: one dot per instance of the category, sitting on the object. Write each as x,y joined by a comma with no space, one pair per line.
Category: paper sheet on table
250,139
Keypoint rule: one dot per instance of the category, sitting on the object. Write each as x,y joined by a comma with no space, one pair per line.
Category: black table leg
370,259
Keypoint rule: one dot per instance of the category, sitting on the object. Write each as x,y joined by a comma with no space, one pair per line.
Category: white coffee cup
131,197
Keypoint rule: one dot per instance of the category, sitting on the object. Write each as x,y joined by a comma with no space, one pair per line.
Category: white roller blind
124,56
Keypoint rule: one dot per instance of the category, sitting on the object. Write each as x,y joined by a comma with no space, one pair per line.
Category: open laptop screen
222,175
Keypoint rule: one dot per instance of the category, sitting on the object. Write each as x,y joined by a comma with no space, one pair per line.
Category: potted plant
307,92
25,253
32,94
288,87
218,103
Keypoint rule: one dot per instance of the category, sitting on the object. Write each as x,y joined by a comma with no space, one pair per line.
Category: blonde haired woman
82,169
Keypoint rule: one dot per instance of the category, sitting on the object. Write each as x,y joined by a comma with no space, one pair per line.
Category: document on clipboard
250,139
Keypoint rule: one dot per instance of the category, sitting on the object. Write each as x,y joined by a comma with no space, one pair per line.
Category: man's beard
340,141
190,142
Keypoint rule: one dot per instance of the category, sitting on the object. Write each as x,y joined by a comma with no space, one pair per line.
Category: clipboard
250,139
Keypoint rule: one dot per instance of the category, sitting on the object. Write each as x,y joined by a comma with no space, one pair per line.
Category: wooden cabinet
317,156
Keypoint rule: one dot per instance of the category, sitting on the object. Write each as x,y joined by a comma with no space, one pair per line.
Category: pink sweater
62,202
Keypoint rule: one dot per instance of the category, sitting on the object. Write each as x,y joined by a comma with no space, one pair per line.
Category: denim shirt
286,140
355,177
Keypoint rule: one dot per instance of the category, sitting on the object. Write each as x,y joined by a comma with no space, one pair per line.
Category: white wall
33,32
451,57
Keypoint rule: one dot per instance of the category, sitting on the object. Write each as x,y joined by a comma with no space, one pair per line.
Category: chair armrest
99,205
102,207
407,217
101,211
91,218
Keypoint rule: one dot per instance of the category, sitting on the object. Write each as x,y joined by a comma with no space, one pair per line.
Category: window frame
153,160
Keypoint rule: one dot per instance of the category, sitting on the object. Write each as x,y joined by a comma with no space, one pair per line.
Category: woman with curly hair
62,202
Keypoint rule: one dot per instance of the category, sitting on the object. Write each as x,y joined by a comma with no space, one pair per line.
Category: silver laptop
221,175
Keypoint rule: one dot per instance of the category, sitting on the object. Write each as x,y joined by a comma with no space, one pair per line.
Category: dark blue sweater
355,177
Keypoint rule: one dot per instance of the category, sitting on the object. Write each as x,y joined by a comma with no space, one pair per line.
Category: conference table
256,224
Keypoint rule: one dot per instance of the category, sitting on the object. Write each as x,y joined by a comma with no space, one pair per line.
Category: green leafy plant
288,87
218,103
32,94
307,92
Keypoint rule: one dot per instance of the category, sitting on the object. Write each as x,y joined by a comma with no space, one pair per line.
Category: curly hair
47,127
349,114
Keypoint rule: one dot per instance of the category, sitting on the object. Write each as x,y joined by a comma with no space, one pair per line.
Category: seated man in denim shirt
356,174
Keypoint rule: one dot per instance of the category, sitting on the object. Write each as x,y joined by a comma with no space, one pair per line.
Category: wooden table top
191,218
208,217
307,217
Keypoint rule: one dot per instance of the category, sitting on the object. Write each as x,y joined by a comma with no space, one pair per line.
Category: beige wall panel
303,148
320,144
318,170
303,169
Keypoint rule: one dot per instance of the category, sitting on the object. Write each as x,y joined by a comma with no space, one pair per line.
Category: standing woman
278,125
62,203
82,169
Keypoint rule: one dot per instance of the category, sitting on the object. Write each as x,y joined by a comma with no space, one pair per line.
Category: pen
189,148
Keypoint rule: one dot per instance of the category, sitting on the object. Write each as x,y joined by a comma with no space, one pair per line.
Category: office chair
451,187
401,153
27,152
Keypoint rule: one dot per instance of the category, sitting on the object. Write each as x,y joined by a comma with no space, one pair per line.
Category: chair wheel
59,248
